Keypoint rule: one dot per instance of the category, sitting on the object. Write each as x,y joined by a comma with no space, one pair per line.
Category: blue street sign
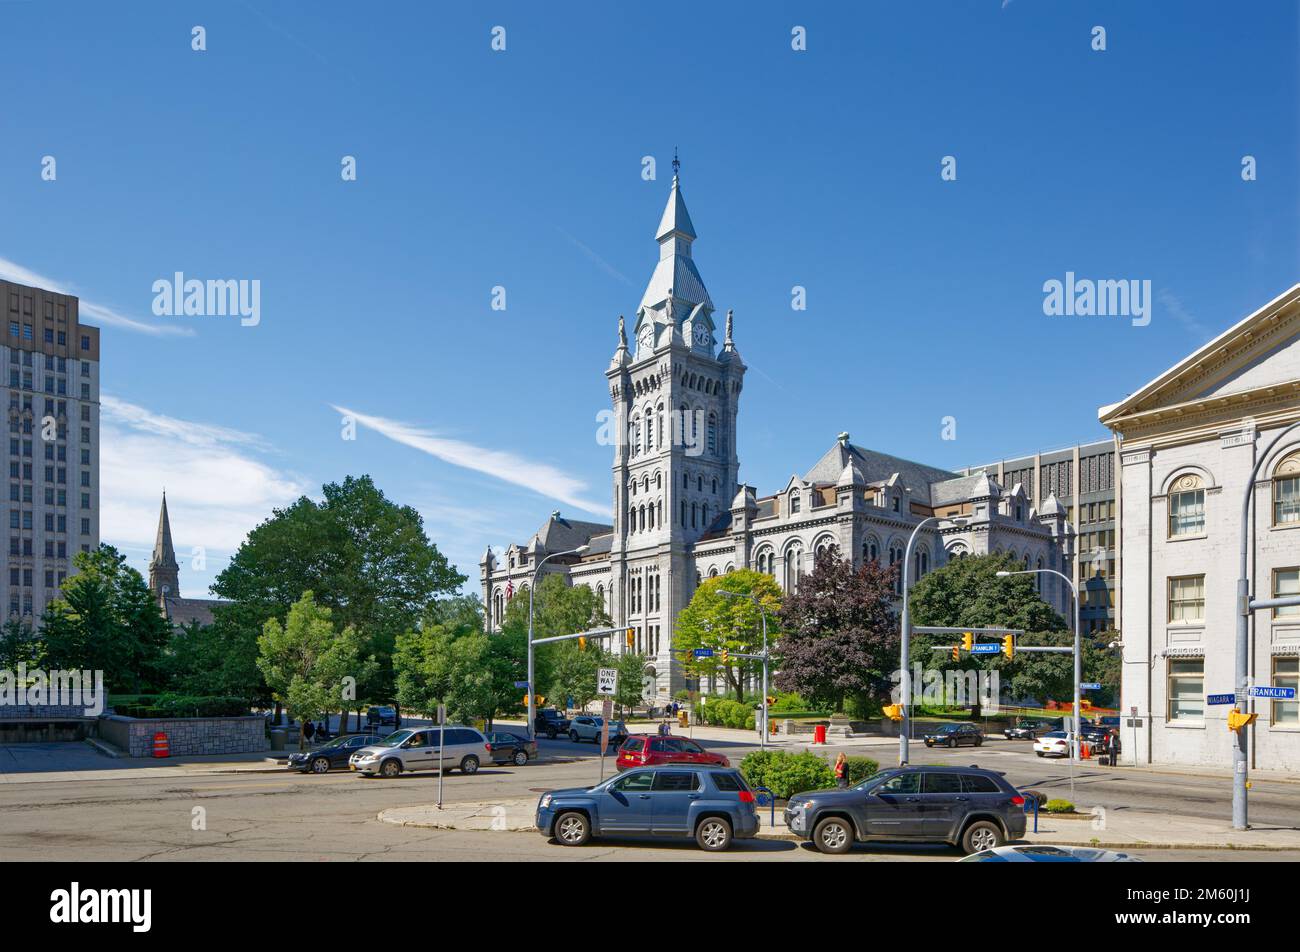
1089,686
521,684
704,652
986,648
1279,694
1221,699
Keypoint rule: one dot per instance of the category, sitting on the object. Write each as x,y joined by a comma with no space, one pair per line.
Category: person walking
1112,748
308,730
841,770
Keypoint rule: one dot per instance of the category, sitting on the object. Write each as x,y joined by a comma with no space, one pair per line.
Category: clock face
647,336
702,335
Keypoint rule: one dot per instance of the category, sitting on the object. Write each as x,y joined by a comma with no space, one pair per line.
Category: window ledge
1284,728
1187,538
1188,725
1285,527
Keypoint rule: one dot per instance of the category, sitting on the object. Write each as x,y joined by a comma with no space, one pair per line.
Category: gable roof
876,467
1222,358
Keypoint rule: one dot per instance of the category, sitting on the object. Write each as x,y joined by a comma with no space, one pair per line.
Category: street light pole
1078,653
532,692
762,733
1240,763
905,725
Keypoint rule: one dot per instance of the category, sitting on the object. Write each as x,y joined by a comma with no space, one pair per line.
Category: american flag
510,589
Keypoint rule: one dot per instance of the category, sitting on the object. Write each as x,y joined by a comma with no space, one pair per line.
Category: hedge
786,773
181,705
722,712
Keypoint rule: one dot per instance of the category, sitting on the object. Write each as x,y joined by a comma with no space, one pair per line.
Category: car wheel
833,835
573,737
572,829
1039,753
320,765
981,835
550,735
952,743
979,741
390,768
520,758
469,765
713,834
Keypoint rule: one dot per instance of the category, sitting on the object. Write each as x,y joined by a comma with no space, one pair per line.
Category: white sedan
1052,744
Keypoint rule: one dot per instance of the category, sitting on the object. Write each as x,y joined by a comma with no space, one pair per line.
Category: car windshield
1055,734
946,729
393,739
336,742
873,780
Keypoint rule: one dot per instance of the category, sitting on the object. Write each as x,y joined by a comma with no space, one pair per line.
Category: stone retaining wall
186,735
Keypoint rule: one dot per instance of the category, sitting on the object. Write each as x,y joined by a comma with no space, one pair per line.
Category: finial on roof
676,164
844,438
728,340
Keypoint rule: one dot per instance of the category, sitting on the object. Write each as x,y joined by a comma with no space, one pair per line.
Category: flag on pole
510,589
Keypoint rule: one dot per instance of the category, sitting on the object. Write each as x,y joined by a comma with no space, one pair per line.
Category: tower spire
164,573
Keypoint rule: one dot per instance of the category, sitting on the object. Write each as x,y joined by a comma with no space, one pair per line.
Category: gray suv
418,749
588,727
968,807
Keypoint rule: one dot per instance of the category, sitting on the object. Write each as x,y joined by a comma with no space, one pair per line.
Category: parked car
968,807
1110,721
1028,730
714,805
550,722
511,748
588,727
333,754
1094,733
406,750
646,750
1053,744
954,735
1041,853
383,716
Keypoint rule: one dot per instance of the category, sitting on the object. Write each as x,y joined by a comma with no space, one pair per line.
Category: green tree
572,672
631,687
20,644
216,659
305,660
107,620
724,623
367,559
967,592
558,609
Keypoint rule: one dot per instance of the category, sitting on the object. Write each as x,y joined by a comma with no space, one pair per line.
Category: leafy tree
967,592
721,622
558,609
216,659
631,687
107,620
840,634
572,671
305,660
367,559
20,644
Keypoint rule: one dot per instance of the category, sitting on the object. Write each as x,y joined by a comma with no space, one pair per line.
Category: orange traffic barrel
160,746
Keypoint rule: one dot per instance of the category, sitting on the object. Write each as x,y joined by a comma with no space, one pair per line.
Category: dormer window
795,503
895,504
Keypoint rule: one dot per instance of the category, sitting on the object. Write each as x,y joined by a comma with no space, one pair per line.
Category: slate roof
559,534
182,611
877,467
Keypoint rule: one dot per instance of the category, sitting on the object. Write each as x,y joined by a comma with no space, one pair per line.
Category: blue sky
523,168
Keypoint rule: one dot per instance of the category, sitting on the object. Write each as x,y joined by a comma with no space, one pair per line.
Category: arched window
652,515
795,502
699,484
631,519
713,571
871,550
1187,506
693,514
1286,491
713,434
793,567
641,524
715,486
649,429
764,561
896,556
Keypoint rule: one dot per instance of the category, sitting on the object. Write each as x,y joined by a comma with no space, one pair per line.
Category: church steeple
164,573
675,275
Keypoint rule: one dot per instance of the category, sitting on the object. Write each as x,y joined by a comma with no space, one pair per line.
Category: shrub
786,773
1059,806
790,702
722,712
181,705
860,768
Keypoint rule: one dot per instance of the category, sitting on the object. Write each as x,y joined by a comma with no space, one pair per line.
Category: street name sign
704,652
1221,699
1089,686
986,648
1280,694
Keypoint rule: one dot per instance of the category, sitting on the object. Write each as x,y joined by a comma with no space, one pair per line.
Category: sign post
606,687
442,741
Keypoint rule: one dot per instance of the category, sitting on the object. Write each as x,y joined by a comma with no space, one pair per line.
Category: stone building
164,580
1188,441
681,513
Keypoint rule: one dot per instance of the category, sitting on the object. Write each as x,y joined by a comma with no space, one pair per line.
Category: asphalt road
290,816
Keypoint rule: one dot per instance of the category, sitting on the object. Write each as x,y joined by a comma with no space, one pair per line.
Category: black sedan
333,754
511,749
954,735
1028,730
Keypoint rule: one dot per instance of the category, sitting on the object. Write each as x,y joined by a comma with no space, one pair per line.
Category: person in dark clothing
1112,748
308,730
841,770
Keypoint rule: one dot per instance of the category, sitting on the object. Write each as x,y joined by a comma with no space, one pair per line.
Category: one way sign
607,681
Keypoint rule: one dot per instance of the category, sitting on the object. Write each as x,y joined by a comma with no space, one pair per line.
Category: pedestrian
1112,748
841,770
308,730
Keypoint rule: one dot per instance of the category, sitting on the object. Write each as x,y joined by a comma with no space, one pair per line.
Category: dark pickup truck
550,723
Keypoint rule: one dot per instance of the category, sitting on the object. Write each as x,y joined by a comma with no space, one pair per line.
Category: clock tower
675,394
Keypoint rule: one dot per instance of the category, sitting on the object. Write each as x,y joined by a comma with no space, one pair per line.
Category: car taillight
487,747
746,797
1018,800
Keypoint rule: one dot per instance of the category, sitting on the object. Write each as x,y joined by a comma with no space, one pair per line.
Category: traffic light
770,700
1238,720
631,637
540,700
893,711
582,644
968,641
956,653
1009,645
724,655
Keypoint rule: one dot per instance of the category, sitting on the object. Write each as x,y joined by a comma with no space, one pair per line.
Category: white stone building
1187,443
682,515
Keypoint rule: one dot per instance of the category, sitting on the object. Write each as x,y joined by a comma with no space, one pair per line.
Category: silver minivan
417,749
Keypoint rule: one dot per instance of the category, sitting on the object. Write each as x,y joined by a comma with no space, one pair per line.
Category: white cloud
217,490
102,314
504,465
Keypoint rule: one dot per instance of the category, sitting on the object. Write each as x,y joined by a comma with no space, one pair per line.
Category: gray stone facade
186,736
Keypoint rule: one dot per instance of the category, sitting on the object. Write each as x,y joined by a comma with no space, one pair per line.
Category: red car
647,750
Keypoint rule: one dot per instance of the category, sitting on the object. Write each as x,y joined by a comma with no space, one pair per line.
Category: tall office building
52,503
1082,478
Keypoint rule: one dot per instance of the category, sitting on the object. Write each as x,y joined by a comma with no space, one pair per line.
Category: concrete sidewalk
1116,829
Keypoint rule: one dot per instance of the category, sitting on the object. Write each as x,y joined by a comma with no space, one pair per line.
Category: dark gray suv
968,807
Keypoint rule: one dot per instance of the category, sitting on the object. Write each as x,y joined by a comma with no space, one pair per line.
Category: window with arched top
713,434
765,562
870,550
1187,506
1286,491
793,567
649,429
796,502
704,515
896,556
